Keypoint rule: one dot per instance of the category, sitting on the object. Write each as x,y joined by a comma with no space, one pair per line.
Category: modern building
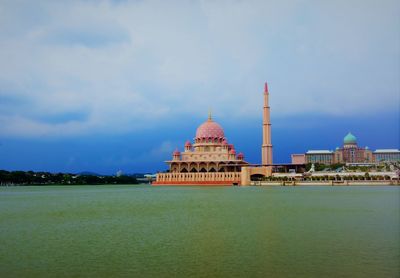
319,156
350,153
211,160
387,155
299,158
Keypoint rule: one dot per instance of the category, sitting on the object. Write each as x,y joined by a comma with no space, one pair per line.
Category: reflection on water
141,231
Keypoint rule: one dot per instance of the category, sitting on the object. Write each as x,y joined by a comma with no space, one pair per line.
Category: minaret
266,149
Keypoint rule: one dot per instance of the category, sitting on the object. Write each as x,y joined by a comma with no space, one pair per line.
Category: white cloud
129,64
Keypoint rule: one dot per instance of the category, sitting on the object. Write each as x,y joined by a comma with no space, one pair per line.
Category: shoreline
325,183
253,183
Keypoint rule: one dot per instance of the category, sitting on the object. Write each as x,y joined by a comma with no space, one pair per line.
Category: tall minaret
266,149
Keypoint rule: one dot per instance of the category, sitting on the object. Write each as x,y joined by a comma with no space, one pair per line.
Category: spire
266,88
209,115
266,149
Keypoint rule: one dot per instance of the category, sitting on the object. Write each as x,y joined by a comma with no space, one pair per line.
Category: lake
143,231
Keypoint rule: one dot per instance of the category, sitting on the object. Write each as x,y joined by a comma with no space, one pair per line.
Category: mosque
211,160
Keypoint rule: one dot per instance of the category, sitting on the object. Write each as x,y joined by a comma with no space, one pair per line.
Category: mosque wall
227,178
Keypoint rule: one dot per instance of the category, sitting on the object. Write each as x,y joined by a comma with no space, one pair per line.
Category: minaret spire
209,114
266,149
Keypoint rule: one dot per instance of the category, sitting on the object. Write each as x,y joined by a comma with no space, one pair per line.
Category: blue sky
108,85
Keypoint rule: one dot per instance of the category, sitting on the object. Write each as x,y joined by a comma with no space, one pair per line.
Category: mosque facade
211,160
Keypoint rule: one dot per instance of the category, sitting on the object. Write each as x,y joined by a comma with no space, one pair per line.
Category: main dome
350,139
210,129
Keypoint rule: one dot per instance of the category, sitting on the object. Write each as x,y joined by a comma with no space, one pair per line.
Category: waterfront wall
326,183
213,178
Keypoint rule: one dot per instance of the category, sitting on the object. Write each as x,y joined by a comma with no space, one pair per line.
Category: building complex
349,153
211,160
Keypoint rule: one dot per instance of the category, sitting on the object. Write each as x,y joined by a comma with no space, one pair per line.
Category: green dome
350,139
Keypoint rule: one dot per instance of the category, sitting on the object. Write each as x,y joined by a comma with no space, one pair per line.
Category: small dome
240,156
176,152
210,129
232,151
224,142
350,139
188,144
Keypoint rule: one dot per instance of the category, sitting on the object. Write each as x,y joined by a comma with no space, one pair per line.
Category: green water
142,231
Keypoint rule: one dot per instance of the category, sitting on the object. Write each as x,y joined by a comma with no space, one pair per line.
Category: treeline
46,178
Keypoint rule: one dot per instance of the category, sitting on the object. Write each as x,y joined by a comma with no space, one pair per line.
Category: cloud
78,67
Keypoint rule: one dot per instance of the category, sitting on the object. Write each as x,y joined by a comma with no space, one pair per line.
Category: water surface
142,231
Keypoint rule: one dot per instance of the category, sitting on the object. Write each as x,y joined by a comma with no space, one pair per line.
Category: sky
103,86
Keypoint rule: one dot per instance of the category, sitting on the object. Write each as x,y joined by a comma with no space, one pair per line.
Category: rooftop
387,151
319,152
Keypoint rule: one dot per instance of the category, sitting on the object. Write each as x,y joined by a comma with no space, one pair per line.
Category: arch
193,170
230,166
203,170
184,168
174,167
202,165
221,167
212,166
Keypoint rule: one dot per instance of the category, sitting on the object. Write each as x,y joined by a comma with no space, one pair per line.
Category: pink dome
232,151
240,156
210,129
188,144
224,142
176,152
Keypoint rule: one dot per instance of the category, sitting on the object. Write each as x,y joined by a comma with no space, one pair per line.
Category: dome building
350,152
209,160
